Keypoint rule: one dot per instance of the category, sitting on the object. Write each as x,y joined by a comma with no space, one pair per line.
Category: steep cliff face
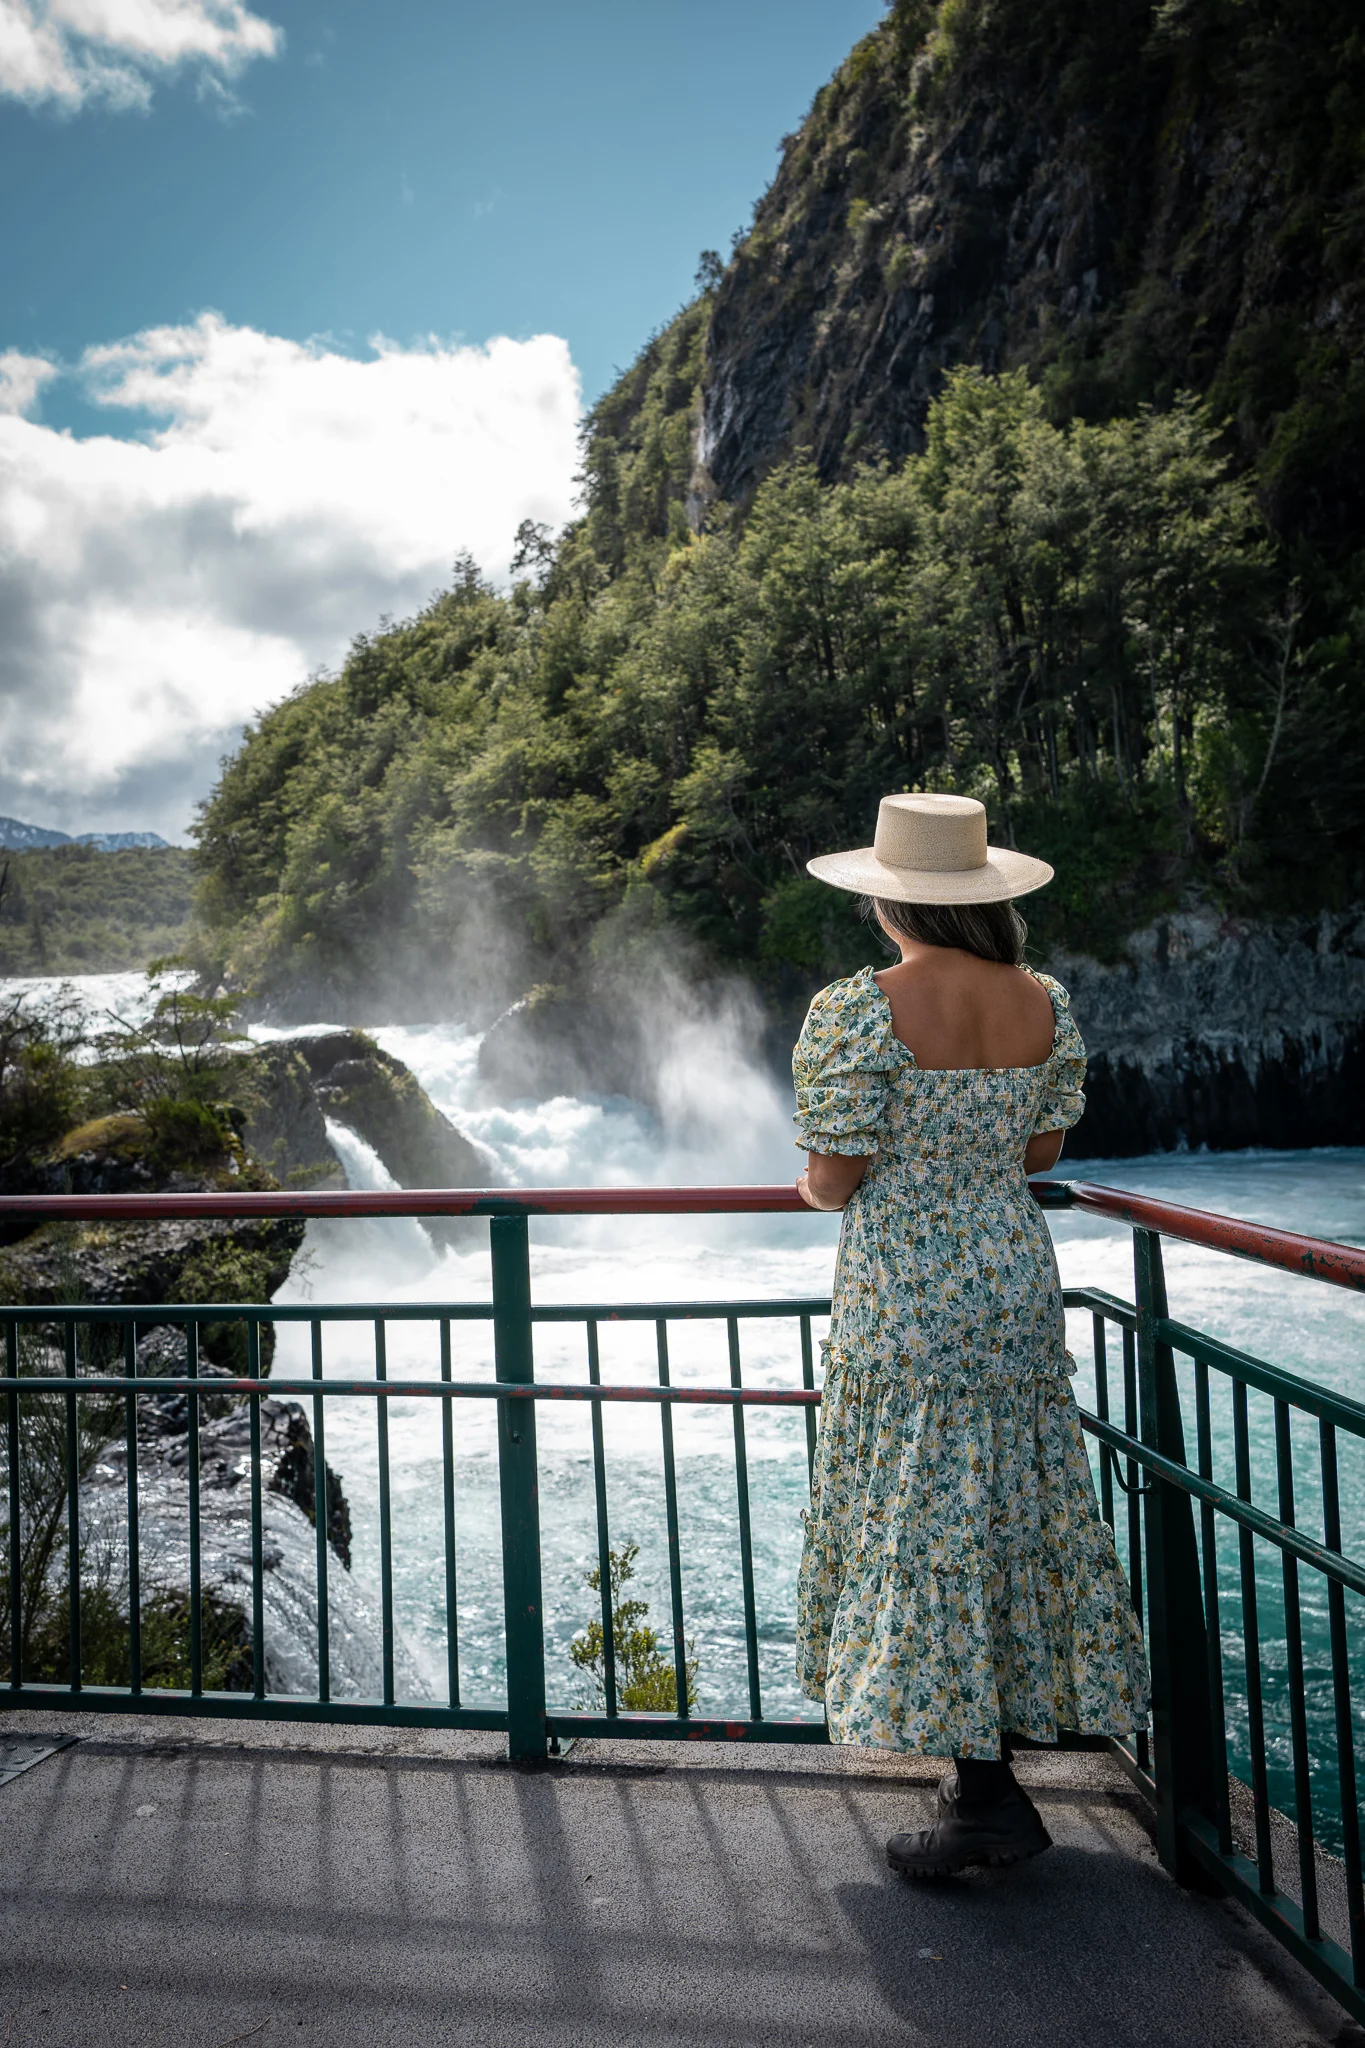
1129,200
1215,1033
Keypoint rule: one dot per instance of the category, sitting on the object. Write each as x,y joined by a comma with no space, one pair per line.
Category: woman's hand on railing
829,1179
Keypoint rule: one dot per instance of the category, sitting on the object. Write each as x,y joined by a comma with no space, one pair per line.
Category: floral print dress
957,1582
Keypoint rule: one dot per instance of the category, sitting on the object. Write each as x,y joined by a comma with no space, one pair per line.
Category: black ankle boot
984,1817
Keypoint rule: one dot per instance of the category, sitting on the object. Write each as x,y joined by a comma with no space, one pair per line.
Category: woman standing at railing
958,1586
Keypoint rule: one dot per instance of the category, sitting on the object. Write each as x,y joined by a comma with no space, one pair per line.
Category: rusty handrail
1342,1265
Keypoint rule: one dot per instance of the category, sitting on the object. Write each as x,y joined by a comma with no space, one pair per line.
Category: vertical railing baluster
320,1516
1341,1700
253,1402
448,1503
1298,1712
134,1534
73,1512
674,1541
518,1488
1134,1499
1134,1478
1177,1640
381,1372
16,1534
1101,1341
808,1382
196,1561
746,1542
1208,1534
1251,1644
599,1478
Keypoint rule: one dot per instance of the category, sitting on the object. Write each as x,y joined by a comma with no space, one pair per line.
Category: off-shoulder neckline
1043,980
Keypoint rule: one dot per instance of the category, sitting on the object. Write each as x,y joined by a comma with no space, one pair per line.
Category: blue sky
417,168
300,303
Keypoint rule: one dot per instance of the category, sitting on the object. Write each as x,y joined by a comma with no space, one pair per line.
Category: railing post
518,1486
1176,1641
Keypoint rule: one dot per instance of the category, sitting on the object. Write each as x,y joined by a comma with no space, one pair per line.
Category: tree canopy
1088,626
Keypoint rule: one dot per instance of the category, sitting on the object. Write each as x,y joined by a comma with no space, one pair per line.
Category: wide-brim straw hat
932,849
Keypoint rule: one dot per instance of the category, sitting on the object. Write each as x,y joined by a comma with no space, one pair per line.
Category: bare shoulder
1030,992
1012,989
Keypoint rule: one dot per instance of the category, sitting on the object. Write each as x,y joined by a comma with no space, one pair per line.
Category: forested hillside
78,909
897,502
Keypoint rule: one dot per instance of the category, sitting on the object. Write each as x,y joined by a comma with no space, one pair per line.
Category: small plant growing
646,1682
182,1052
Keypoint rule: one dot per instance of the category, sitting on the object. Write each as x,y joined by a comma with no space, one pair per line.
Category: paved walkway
195,1884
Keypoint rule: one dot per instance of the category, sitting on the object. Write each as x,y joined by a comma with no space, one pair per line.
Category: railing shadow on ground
1191,1541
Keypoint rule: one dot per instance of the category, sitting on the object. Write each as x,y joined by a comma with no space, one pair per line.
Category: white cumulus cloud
22,379
157,592
67,53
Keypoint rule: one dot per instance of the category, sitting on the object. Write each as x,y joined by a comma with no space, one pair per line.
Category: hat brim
1006,874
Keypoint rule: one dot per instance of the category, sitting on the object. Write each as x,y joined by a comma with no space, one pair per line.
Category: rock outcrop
1127,199
1211,1032
289,1578
375,1095
288,1462
181,1260
285,1128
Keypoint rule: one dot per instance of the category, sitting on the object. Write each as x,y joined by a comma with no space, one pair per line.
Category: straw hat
932,849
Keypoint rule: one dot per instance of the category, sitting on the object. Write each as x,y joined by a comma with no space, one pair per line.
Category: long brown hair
993,931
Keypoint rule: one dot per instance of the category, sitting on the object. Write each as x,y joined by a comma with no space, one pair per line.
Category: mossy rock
377,1097
187,1261
124,1135
283,1126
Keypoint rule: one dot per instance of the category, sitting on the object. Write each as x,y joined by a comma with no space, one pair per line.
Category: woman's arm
830,1179
1043,1151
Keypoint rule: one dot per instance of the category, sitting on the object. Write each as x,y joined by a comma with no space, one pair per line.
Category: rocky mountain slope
1129,200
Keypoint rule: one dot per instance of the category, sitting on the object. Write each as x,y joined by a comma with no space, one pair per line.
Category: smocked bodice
859,1091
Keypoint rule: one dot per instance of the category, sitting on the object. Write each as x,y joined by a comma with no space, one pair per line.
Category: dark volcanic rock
375,1095
291,1444
190,1260
284,1127
114,1162
1223,1034
288,1460
148,1261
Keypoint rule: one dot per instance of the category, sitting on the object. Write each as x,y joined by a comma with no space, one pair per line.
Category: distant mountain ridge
17,837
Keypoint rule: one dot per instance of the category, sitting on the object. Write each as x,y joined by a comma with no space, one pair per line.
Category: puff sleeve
1063,1103
841,1066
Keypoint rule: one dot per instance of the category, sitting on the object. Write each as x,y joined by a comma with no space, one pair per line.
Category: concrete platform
196,1885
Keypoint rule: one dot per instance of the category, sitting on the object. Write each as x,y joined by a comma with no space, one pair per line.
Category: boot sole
986,1859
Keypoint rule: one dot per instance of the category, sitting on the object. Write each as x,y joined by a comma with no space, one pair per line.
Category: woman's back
955,1011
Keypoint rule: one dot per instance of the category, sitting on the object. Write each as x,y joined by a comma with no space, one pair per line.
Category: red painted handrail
1343,1265
757,1200
1319,1258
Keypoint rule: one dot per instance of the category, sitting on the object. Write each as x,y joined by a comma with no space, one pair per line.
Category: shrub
646,1682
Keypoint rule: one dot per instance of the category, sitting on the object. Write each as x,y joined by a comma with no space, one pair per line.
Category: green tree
42,1087
1075,623
646,1682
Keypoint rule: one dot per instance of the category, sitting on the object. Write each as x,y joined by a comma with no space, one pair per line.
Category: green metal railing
1181,1763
